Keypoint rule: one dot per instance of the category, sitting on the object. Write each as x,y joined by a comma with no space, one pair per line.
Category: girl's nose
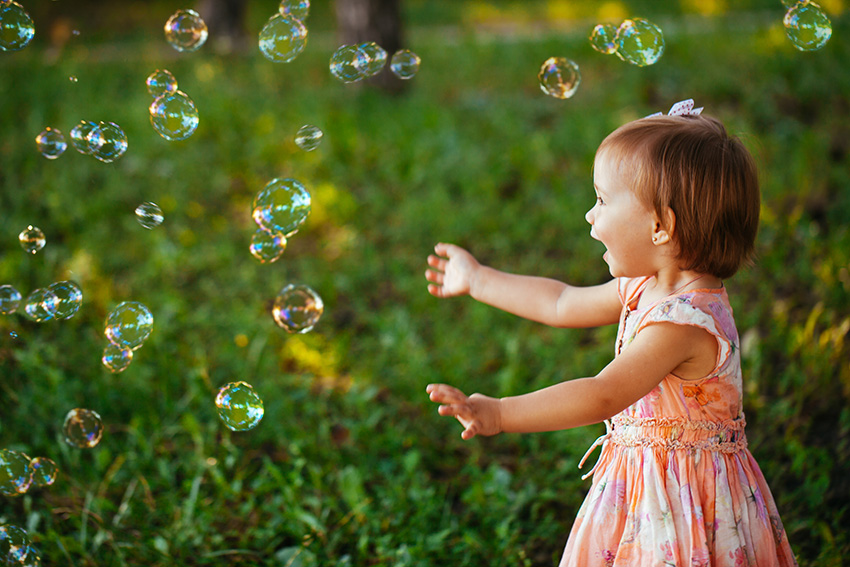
588,216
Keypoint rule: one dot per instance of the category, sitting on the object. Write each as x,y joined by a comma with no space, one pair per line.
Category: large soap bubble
267,246
44,471
107,141
161,82
68,298
308,137
16,27
349,63
129,325
282,206
15,472
639,42
83,428
185,30
10,299
282,38
174,116
80,136
602,38
40,305
15,546
404,64
149,215
297,308
239,406
51,143
559,77
296,8
116,358
807,26
32,239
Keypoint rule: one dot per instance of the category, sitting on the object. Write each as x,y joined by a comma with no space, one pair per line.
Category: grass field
351,464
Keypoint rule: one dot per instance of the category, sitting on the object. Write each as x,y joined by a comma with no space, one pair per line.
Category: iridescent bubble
129,325
639,42
68,296
283,38
296,8
282,206
404,64
14,545
185,30
807,26
40,305
33,558
80,136
10,299
73,78
377,56
16,27
107,141
308,137
83,428
559,77
174,116
349,63
602,38
44,471
267,247
161,82
116,359
32,239
239,406
297,308
51,143
15,472
149,215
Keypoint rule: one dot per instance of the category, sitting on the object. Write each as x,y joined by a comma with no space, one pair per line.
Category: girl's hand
454,270
479,414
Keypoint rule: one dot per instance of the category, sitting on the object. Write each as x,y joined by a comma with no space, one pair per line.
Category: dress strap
601,440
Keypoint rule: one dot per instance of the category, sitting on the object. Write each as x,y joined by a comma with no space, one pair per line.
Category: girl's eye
599,201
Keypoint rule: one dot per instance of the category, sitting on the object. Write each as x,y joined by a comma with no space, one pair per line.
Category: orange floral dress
675,484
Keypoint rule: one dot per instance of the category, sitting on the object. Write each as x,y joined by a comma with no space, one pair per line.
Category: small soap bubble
107,141
80,136
44,471
404,64
116,358
282,206
308,137
161,82
807,26
297,308
174,116
639,42
559,77
68,296
185,30
266,246
32,239
149,215
14,545
16,27
349,63
73,78
129,325
602,38
377,56
40,305
10,299
51,143
15,472
296,8
282,38
83,428
239,406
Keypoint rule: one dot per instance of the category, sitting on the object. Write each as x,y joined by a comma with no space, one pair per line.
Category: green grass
351,464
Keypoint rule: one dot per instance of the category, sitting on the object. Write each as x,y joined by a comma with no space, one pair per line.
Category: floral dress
675,483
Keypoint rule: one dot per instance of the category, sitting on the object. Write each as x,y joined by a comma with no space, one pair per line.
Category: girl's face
622,223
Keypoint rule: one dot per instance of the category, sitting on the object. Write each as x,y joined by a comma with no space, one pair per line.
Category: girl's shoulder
708,308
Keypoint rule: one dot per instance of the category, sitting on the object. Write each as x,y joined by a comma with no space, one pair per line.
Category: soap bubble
129,325
602,38
559,77
116,359
404,64
15,472
296,8
297,308
149,215
807,26
185,30
40,305
14,545
239,406
32,239
282,206
73,78
174,116
51,143
639,42
16,27
10,299
33,558
108,142
161,82
79,136
266,246
349,63
283,38
377,56
308,137
44,471
83,428
68,296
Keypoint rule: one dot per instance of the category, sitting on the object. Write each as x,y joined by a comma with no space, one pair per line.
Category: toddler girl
677,205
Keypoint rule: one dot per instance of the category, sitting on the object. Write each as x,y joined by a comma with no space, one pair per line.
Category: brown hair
706,177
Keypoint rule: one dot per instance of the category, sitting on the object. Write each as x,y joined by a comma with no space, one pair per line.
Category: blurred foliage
351,464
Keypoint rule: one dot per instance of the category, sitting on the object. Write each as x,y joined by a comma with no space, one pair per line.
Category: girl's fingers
445,394
439,263
435,277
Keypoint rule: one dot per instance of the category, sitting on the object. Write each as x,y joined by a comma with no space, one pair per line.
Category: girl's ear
664,228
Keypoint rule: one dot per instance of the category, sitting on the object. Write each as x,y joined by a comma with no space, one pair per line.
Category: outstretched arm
454,271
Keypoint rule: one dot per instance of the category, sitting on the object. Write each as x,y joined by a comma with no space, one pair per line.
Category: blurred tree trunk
359,21
225,21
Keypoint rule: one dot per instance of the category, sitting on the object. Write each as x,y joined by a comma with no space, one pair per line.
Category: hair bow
682,108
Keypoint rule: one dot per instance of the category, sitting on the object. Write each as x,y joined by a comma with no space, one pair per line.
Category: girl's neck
671,283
